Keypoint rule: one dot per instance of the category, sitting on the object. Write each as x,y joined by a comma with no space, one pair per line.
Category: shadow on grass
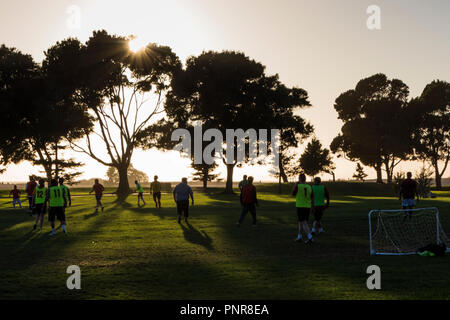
195,236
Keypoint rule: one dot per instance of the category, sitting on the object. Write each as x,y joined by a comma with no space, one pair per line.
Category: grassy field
143,253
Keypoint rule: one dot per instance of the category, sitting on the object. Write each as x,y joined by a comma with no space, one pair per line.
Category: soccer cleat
309,241
313,233
238,224
34,227
254,225
103,208
298,239
179,219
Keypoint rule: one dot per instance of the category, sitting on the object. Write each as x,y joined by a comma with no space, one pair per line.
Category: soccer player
155,189
140,191
55,198
181,194
243,182
16,197
320,194
248,201
98,189
408,189
29,188
67,197
39,203
304,199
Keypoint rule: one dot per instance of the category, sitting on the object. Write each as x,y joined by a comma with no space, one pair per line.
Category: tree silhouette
38,116
359,175
204,172
376,129
431,133
316,159
133,174
121,89
228,90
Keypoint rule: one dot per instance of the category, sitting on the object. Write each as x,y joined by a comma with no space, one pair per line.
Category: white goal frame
438,229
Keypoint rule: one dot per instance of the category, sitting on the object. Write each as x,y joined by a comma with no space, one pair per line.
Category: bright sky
322,46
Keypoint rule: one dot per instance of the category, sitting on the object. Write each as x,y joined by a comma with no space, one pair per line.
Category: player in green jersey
55,198
320,194
304,198
67,197
140,191
39,203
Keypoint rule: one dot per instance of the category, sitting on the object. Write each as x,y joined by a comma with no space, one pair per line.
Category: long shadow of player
196,237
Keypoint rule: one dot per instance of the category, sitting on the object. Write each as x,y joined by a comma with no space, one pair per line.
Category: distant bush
424,180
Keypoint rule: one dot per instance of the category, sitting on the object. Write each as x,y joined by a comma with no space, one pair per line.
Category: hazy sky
322,46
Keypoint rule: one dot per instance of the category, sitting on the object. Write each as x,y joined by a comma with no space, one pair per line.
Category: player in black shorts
55,198
320,194
39,205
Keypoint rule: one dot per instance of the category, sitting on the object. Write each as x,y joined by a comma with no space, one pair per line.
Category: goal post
405,231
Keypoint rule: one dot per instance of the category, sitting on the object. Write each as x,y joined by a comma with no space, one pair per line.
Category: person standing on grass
248,201
39,204
67,197
140,191
29,188
243,182
155,189
55,198
408,190
181,194
320,194
16,197
98,189
304,198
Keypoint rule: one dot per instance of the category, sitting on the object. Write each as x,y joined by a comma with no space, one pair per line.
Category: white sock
309,236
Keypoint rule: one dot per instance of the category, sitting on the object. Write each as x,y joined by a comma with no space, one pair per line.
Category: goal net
399,232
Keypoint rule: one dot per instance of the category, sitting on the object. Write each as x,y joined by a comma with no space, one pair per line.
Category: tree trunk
56,162
283,173
388,171
205,177
229,183
123,189
379,172
437,176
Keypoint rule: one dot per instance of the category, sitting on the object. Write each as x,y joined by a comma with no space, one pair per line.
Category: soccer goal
401,232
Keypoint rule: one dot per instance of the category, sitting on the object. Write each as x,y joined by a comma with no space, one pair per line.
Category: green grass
142,253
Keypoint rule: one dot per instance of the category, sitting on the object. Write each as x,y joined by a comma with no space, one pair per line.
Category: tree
122,91
423,178
431,133
293,130
228,90
359,175
133,174
38,116
316,159
376,130
204,172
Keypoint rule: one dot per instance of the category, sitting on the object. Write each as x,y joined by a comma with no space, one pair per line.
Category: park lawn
128,252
